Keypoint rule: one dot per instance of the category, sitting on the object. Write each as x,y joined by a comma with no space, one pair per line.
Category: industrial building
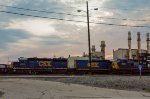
121,53
97,54
130,53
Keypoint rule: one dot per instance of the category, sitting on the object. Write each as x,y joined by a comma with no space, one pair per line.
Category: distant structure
93,48
139,44
103,45
148,42
129,45
122,53
130,53
97,54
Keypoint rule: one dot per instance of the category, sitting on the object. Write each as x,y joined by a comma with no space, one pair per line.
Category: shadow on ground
1,93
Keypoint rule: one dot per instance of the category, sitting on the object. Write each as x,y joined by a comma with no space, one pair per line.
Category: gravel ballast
107,81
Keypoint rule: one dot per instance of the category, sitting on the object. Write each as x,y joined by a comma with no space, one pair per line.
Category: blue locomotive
60,65
73,65
35,65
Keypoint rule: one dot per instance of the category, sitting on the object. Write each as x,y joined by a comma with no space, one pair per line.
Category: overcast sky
26,36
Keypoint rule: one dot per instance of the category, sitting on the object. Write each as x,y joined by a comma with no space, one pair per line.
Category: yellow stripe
127,69
83,69
59,68
30,68
93,69
38,68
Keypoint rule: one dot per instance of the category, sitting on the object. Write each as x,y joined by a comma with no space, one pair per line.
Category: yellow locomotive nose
115,65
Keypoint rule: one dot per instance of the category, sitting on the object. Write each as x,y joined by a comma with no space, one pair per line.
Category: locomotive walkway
37,89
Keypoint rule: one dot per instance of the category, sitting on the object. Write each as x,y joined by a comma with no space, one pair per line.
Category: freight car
3,68
145,62
124,66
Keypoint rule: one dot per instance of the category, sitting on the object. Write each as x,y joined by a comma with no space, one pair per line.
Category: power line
112,8
124,19
38,16
73,20
126,9
45,11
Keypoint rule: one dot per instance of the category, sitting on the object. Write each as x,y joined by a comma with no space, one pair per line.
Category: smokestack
93,48
129,45
139,42
148,42
103,49
84,54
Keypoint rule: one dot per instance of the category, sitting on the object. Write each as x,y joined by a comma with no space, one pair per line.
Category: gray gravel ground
107,81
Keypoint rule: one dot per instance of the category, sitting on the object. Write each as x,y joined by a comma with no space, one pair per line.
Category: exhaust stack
103,49
139,42
148,42
93,48
138,45
129,45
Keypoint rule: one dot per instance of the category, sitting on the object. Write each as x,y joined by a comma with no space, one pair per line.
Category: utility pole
89,41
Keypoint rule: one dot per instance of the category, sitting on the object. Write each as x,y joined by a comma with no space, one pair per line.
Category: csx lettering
93,64
45,63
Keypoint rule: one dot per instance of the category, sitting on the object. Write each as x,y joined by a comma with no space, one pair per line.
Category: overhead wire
125,19
124,9
29,15
45,11
22,14
113,8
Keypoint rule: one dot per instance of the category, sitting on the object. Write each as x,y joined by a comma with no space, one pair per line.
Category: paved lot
37,89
